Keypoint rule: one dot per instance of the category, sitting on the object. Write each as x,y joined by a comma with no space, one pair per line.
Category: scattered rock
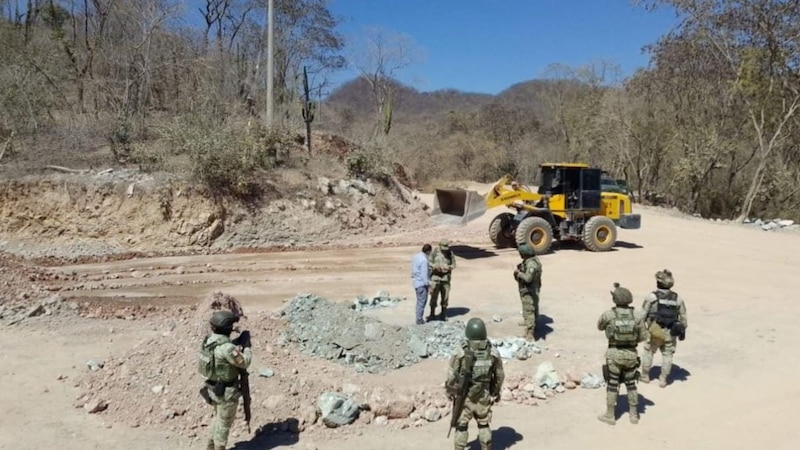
380,300
95,364
515,348
381,420
592,381
337,410
399,408
546,375
432,415
95,406
266,373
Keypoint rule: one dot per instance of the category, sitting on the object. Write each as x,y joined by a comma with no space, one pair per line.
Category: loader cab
577,183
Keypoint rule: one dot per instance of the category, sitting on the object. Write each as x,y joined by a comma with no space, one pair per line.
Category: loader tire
498,231
599,234
536,232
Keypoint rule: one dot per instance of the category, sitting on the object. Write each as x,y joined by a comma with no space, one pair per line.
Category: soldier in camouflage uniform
529,278
665,313
442,263
624,330
484,386
220,361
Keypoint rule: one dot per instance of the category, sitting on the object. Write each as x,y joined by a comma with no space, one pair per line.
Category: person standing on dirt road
484,382
624,331
420,279
529,279
665,313
442,264
219,363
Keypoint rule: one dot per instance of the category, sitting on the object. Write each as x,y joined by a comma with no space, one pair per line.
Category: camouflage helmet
664,279
621,295
525,250
476,329
223,320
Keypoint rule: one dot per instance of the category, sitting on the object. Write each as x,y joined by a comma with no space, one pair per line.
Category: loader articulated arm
506,192
459,206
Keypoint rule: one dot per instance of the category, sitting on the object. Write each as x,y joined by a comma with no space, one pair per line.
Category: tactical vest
667,308
536,282
482,370
210,366
621,332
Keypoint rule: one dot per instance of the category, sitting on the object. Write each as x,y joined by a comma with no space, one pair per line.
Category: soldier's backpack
205,361
623,328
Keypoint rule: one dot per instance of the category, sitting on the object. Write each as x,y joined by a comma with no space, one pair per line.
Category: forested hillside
711,126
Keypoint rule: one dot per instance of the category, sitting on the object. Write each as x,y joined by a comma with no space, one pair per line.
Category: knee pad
462,428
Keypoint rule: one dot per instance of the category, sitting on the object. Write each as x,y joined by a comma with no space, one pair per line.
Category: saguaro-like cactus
308,109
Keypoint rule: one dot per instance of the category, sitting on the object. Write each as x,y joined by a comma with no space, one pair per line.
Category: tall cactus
308,109
388,109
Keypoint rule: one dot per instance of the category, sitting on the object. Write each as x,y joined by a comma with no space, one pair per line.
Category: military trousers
530,309
481,411
622,365
440,288
667,348
224,414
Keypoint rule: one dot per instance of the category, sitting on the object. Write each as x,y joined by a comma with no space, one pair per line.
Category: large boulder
337,410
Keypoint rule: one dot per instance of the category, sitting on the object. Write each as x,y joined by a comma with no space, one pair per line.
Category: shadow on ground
622,404
470,252
627,245
543,327
271,435
455,311
503,437
578,246
677,373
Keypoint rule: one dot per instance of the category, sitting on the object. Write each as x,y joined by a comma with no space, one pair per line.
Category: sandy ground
734,376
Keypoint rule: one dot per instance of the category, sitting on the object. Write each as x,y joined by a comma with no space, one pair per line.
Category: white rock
381,420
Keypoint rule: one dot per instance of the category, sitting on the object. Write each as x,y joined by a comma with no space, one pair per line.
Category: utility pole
269,63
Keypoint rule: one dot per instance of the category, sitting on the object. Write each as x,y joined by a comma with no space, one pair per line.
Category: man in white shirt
420,278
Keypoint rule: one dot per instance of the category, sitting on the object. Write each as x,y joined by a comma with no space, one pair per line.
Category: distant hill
356,96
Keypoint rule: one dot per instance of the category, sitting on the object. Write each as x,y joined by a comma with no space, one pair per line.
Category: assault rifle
461,389
244,377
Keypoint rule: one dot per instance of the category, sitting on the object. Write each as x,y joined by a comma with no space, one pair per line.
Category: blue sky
486,46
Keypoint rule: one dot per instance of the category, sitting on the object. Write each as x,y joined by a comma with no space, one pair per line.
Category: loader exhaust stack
457,206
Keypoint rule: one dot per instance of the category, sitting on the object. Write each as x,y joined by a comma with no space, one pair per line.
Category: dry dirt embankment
72,216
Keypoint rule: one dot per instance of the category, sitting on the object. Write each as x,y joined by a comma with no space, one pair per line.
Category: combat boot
528,335
662,381
611,402
633,406
645,375
443,314
431,316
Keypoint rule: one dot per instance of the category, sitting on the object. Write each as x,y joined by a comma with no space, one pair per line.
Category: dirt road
734,373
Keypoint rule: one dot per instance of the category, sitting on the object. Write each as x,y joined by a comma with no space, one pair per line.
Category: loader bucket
457,206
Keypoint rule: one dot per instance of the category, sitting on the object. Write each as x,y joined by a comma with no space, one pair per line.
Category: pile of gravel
336,332
380,300
54,305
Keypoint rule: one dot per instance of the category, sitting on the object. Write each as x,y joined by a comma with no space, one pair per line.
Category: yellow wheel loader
569,205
